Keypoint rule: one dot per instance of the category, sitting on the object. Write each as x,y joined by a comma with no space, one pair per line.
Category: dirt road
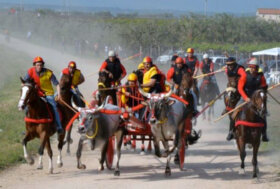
211,163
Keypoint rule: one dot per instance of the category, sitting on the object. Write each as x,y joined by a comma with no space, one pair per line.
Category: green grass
11,120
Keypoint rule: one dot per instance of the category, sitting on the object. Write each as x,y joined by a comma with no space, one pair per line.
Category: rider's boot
264,133
230,135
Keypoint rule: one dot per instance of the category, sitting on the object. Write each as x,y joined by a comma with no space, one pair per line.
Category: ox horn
142,92
166,95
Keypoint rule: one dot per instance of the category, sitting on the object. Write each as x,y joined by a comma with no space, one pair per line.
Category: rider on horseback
44,78
193,63
174,77
236,73
255,80
207,66
114,68
77,79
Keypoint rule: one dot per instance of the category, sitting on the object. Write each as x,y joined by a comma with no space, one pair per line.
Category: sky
214,6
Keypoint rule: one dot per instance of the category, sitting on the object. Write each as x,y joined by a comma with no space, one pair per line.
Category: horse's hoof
167,172
30,161
59,164
117,173
101,168
255,175
82,166
68,153
241,172
176,159
142,153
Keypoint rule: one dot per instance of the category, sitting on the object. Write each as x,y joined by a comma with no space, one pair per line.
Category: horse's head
231,97
28,92
158,105
259,102
186,84
104,79
65,83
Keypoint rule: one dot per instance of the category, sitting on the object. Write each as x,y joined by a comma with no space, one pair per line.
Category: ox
167,120
97,127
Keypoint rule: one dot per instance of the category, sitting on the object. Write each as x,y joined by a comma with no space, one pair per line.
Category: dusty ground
211,163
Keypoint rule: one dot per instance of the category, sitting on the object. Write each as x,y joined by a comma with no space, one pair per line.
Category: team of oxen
167,119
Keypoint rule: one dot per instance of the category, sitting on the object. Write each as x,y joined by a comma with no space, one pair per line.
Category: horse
39,123
208,91
249,123
104,84
66,96
97,127
231,98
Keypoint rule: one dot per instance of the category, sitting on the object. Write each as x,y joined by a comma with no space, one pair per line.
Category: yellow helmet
141,66
132,77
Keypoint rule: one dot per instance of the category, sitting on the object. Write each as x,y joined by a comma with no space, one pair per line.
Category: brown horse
66,95
250,121
103,85
231,98
37,109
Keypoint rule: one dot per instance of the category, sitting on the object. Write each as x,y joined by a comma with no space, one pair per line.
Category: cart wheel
182,153
110,153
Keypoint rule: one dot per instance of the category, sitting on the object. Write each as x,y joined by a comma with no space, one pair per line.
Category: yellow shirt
147,77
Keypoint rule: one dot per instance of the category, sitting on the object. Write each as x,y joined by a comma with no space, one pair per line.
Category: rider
236,72
254,80
114,68
44,78
152,77
77,79
193,63
174,77
207,66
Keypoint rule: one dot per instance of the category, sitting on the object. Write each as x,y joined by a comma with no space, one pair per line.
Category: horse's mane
104,78
65,82
187,81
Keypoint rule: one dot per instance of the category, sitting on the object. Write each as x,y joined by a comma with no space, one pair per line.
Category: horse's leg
157,149
79,154
60,146
50,153
255,157
69,140
241,146
43,140
149,148
27,157
119,139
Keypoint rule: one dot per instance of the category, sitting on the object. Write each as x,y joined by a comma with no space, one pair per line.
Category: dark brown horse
250,121
231,98
66,96
42,126
103,87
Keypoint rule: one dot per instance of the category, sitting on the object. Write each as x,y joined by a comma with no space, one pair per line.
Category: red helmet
148,59
72,64
179,60
38,59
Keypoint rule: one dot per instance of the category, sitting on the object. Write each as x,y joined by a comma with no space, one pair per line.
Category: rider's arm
169,76
123,71
241,83
103,67
196,68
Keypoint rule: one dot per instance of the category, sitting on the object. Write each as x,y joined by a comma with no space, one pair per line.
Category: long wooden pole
67,105
211,73
240,105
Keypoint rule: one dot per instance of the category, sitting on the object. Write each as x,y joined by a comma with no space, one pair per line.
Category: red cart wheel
182,153
110,153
